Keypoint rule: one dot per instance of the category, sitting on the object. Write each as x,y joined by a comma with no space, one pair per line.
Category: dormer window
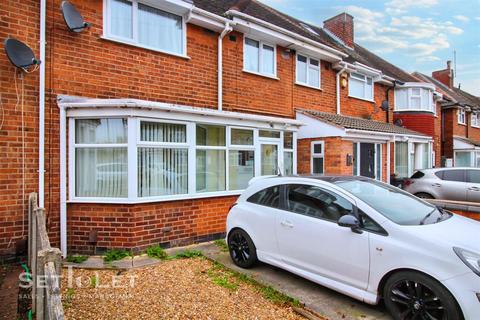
461,116
414,99
360,86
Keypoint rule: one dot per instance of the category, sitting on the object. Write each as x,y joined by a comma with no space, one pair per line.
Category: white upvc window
476,119
317,161
308,71
461,116
360,86
259,57
142,160
414,99
137,23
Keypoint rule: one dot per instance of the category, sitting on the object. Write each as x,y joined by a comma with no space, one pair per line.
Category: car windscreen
395,204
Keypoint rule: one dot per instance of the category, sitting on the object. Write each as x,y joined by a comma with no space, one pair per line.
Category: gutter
41,106
225,31
268,25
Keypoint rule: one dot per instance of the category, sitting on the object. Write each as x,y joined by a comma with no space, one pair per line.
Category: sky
415,35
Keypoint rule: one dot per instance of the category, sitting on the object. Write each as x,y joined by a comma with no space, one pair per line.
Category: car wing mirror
349,221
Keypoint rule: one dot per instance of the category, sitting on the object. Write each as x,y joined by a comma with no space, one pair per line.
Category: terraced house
144,127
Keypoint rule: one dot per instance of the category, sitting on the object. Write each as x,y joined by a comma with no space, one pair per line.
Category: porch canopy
466,152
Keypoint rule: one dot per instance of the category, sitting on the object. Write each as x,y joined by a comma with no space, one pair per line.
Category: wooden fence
46,265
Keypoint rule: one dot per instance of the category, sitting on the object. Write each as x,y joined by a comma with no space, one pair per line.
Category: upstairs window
414,99
461,116
259,57
360,86
476,119
145,26
308,71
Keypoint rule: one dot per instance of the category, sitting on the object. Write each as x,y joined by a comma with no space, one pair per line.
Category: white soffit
459,144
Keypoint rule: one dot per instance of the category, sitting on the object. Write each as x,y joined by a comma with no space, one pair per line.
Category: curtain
160,29
121,18
99,131
163,132
401,159
241,168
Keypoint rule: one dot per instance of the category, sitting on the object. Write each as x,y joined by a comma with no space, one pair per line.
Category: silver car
459,184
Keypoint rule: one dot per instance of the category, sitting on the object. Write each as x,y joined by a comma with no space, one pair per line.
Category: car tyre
412,295
242,250
424,195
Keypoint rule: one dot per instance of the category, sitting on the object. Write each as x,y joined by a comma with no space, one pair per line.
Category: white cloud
397,7
462,18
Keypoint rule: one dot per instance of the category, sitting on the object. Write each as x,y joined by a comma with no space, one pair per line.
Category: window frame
134,143
134,41
365,84
319,68
314,155
475,119
409,92
461,116
260,57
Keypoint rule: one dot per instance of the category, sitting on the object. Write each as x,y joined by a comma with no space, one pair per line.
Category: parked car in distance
459,184
363,238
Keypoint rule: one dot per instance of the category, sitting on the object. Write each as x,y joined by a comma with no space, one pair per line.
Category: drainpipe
63,181
338,86
225,31
41,99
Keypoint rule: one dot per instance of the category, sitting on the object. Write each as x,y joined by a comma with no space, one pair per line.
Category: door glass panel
269,159
317,165
317,203
288,162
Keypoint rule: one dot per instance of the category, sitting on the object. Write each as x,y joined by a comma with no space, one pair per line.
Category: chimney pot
449,64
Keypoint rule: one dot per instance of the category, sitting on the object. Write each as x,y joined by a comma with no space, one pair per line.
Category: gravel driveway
176,289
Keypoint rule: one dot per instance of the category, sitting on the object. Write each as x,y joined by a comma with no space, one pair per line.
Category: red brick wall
341,26
453,128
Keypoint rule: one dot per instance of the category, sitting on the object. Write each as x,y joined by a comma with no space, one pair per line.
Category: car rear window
453,175
269,197
417,175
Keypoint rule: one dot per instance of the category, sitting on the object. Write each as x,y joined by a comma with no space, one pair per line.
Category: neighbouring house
149,136
459,120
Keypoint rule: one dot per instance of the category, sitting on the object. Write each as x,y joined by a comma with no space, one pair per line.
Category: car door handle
436,185
474,189
287,224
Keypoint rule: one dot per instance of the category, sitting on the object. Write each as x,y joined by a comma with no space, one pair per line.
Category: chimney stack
341,26
445,76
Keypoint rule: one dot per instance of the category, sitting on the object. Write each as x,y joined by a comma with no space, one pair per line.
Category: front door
367,160
309,238
269,158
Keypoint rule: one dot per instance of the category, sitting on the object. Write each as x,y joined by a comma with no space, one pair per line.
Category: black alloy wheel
242,250
414,296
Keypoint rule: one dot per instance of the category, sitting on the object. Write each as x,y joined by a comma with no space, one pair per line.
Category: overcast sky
416,35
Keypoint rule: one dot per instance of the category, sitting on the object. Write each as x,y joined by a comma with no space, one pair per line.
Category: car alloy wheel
242,250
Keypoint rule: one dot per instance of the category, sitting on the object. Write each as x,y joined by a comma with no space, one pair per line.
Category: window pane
425,163
318,148
162,171
269,156
425,99
159,29
463,159
288,140
288,163
401,159
241,137
415,103
356,88
317,203
317,165
401,98
251,55
163,132
358,76
314,77
269,197
269,134
210,170
454,175
473,176
301,69
241,168
415,91
268,57
209,135
121,18
101,172
314,62
101,131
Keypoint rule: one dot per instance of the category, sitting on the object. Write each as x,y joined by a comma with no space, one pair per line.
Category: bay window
308,71
360,86
461,115
139,159
259,57
414,99
136,23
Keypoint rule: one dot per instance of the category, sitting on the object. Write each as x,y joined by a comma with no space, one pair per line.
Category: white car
363,238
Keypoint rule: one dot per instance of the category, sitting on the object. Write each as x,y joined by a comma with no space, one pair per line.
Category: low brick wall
467,209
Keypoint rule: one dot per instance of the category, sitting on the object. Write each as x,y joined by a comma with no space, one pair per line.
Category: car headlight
471,259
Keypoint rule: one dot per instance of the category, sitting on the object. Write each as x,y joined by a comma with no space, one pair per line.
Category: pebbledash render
159,113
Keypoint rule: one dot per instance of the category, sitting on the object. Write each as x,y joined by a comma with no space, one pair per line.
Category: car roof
328,178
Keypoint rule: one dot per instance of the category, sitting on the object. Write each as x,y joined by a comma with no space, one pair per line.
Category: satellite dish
19,54
398,122
73,18
385,105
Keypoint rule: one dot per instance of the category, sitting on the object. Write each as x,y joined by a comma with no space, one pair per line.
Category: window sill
363,99
308,86
133,44
262,74
156,199
414,110
462,124
476,127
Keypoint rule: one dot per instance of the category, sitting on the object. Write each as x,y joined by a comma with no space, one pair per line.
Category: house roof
261,11
358,123
468,140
